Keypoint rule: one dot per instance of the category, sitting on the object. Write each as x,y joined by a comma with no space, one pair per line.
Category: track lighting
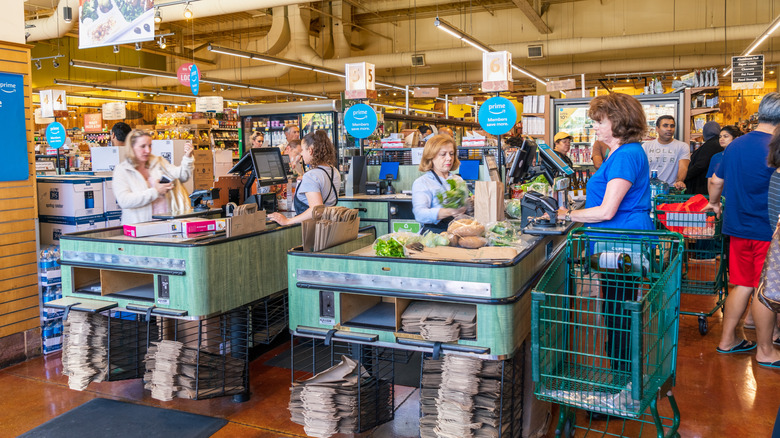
138,46
161,43
157,16
221,88
116,49
38,64
213,88
55,63
67,14
187,11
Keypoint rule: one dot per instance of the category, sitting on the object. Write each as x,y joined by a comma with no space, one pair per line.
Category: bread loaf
466,228
472,242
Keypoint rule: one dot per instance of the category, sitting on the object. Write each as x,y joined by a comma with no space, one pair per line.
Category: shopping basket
705,257
604,334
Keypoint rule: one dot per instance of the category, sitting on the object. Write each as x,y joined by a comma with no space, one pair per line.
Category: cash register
265,166
529,161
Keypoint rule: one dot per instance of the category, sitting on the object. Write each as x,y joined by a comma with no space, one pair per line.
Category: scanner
535,204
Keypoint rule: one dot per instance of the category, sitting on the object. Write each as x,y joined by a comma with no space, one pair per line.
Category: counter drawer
368,209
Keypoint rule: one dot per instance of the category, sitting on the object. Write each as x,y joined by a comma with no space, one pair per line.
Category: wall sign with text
14,165
497,115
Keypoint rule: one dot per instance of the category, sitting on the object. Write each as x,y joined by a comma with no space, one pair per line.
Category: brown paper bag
319,234
245,223
488,202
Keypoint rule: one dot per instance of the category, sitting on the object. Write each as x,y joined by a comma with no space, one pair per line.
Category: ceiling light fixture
187,11
773,26
55,64
116,49
157,16
38,64
459,34
67,14
138,46
161,42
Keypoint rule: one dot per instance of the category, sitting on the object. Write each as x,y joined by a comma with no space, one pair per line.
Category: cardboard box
52,227
152,228
70,196
109,200
173,151
223,162
203,174
105,158
113,218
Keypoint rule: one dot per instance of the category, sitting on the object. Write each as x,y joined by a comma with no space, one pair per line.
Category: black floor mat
111,418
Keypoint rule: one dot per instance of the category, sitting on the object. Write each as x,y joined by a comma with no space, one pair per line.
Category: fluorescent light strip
127,90
757,42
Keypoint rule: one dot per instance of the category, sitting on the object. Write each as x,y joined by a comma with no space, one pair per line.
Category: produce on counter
456,196
392,245
472,242
513,209
466,228
501,233
538,184
431,239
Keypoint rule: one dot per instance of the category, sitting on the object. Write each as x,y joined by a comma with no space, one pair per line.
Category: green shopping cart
605,319
705,255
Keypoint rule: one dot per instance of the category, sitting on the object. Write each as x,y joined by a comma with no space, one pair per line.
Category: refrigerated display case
571,116
272,118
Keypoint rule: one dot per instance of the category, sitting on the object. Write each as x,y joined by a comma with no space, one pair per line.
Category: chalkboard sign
747,72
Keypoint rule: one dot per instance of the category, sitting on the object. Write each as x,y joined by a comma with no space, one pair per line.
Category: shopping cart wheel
568,428
702,325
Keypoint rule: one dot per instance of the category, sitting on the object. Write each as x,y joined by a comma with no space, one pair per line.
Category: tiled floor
718,395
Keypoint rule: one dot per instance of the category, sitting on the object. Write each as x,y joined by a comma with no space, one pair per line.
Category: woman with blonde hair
439,159
146,185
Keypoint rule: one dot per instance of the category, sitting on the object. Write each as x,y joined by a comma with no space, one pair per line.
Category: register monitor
269,169
553,160
521,162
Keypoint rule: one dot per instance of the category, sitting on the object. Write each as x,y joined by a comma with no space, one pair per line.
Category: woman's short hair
131,139
432,148
625,112
322,150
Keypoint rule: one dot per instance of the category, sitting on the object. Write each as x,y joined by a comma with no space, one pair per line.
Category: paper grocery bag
245,223
488,202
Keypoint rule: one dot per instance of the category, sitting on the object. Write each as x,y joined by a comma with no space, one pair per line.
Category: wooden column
20,333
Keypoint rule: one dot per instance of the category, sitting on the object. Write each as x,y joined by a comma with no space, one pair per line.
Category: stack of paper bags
175,370
467,400
327,403
440,322
84,349
328,227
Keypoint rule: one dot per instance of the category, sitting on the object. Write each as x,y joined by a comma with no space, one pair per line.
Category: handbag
768,291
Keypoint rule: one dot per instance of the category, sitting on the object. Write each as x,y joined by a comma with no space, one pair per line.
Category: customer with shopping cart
743,178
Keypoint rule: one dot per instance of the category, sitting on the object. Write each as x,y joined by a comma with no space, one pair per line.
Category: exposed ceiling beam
346,23
530,12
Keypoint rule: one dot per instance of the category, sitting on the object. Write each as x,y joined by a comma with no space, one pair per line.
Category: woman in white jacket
137,181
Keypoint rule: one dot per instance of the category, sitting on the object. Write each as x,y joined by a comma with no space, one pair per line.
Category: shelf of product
536,116
51,289
199,134
701,104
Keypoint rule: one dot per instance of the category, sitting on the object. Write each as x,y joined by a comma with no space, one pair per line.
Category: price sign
497,115
114,111
360,120
426,92
214,104
566,84
361,81
194,79
55,135
497,71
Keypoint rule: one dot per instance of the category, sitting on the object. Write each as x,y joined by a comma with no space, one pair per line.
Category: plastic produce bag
538,184
514,208
393,244
456,196
431,239
501,233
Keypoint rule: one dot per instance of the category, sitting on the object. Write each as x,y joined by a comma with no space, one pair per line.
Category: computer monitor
521,162
286,164
553,160
269,169
243,166
469,170
388,168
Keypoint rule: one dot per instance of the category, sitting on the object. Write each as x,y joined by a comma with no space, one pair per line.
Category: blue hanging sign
360,120
14,166
194,79
497,115
55,135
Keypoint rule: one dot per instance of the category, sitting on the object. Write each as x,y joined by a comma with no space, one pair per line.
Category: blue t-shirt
714,164
628,162
746,177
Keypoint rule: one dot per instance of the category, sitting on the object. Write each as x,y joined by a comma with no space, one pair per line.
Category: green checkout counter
346,293
170,275
387,213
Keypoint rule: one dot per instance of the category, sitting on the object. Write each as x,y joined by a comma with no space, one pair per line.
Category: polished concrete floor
718,395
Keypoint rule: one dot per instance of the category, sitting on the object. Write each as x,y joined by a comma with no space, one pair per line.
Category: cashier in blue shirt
439,159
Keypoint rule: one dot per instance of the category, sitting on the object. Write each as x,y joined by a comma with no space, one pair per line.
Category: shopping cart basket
605,318
705,257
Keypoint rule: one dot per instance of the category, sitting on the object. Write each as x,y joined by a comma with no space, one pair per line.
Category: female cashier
439,159
320,185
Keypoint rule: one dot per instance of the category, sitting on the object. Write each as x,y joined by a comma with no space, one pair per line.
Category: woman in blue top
618,196
439,159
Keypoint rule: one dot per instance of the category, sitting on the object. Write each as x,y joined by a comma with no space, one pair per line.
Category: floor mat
111,418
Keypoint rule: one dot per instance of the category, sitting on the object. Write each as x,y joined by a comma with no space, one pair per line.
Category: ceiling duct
535,51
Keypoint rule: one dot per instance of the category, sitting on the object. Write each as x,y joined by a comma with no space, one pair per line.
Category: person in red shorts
743,179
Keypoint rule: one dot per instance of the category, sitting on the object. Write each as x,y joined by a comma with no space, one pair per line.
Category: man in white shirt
668,156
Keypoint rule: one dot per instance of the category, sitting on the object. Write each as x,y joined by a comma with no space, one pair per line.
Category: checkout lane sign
360,120
194,79
55,135
497,115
